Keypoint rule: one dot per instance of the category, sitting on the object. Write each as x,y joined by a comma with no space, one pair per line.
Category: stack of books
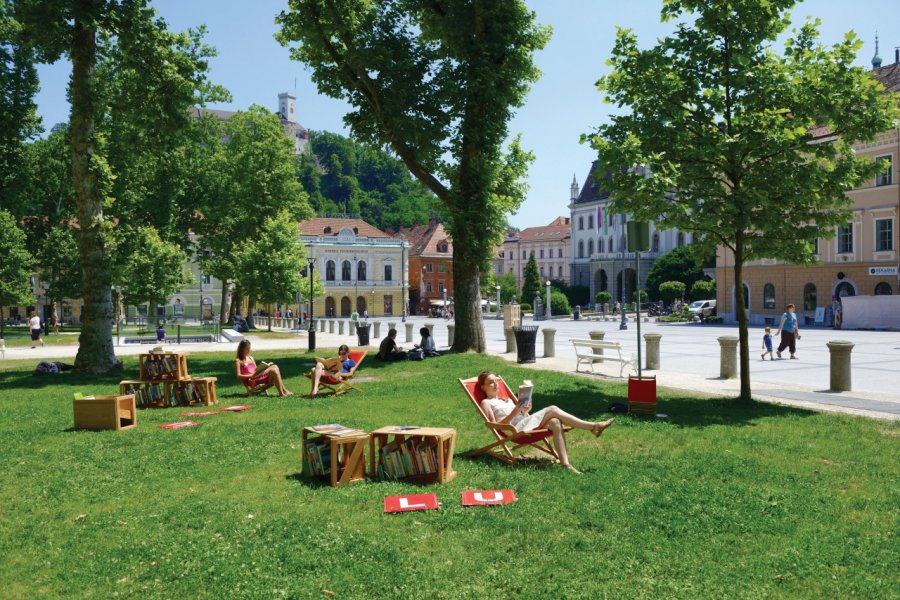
146,396
408,458
161,367
188,394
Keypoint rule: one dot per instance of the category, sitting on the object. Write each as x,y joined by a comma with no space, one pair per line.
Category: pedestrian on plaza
160,333
789,330
767,344
35,324
54,320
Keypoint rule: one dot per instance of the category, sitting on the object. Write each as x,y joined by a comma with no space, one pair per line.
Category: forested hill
342,176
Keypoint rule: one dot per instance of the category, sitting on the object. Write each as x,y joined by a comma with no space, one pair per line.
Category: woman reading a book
512,411
331,366
251,375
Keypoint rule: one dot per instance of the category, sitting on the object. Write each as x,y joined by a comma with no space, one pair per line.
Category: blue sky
561,106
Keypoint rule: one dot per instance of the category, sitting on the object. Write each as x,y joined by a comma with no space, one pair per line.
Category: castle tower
287,106
573,189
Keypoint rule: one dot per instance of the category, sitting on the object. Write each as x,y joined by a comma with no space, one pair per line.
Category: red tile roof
319,225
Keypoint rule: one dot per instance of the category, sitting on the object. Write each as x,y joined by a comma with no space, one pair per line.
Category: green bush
603,297
523,306
713,319
559,303
670,290
634,295
703,290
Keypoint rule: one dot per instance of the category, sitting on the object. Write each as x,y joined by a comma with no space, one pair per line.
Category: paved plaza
689,359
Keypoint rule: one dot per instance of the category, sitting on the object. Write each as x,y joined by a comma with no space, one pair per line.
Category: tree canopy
681,264
436,82
531,280
716,132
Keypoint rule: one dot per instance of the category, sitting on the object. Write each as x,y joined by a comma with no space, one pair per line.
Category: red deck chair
342,382
507,438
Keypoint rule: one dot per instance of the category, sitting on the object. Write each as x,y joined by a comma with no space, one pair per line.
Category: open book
330,364
525,391
262,366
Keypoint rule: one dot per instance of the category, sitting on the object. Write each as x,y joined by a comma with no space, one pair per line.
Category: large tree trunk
96,353
469,333
226,312
741,312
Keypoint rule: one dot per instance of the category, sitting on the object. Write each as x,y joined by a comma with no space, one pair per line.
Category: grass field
720,500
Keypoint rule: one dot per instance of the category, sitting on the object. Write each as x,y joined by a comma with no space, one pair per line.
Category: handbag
416,354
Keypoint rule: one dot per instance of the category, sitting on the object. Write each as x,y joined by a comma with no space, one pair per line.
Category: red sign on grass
485,498
408,503
179,425
238,408
199,413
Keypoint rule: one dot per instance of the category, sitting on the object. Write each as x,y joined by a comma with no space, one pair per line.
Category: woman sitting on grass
332,367
507,410
249,374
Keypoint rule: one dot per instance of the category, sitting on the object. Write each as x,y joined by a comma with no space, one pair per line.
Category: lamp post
372,304
498,300
403,277
548,313
312,330
355,285
624,324
445,301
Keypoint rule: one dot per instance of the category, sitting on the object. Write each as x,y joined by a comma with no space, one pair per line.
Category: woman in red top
245,369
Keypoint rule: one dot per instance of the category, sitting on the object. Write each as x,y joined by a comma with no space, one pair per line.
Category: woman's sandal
600,427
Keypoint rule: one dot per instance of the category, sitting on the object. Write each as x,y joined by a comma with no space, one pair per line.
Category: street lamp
312,330
355,285
498,300
548,313
623,325
403,277
372,304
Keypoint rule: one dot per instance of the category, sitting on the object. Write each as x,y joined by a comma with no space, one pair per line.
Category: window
361,270
680,239
346,271
590,221
441,287
816,246
844,289
610,244
542,271
883,289
442,247
329,271
523,255
542,253
845,239
388,273
580,222
809,297
655,241
428,267
746,296
559,253
388,305
768,296
884,235
590,248
580,248
885,177
205,278
442,268
428,287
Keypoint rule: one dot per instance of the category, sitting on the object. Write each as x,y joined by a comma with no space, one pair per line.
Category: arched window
590,248
610,245
580,248
361,270
388,273
655,241
623,243
844,289
746,296
345,307
680,239
329,271
883,289
809,297
768,296
346,273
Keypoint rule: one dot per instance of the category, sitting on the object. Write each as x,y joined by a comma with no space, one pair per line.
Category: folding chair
341,383
507,438
260,389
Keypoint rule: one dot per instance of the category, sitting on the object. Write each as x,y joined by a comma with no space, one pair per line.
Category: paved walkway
689,357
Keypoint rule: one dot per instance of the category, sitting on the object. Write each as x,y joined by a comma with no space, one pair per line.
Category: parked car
702,308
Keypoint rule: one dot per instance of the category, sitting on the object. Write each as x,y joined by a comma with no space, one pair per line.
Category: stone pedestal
840,364
341,327
728,361
430,327
377,333
597,336
322,325
549,342
510,339
331,326
409,332
451,333
391,325
652,340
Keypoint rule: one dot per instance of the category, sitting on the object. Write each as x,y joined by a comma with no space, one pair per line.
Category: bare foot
598,428
287,393
572,469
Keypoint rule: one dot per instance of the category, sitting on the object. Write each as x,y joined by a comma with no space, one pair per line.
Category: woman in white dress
500,409
34,323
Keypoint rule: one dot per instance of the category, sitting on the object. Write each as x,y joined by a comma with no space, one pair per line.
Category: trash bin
577,312
526,336
362,333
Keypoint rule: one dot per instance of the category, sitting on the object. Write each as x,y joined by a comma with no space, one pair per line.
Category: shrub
603,297
670,290
523,306
559,303
703,290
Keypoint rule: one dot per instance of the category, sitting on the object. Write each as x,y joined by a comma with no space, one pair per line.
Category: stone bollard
430,327
341,327
510,339
331,326
351,328
840,364
391,325
549,342
409,333
451,333
597,336
652,340
377,334
728,360
322,325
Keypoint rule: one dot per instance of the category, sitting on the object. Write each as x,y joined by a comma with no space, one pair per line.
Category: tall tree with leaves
436,82
16,267
720,127
531,280
155,270
85,31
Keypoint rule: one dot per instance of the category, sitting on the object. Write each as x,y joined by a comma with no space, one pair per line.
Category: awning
439,303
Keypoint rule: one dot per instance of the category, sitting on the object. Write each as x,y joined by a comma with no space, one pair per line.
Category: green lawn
719,501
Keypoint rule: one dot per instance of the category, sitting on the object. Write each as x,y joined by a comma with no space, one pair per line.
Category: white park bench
2,348
612,352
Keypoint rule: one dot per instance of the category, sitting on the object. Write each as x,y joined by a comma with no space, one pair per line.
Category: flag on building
599,217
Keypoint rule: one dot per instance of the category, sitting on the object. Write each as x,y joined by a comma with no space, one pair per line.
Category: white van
706,307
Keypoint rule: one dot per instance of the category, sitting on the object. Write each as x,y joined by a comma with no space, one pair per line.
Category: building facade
430,266
550,245
362,268
861,259
600,259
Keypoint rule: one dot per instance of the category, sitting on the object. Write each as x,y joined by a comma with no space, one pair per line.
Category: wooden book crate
147,394
164,366
432,442
198,390
346,456
105,412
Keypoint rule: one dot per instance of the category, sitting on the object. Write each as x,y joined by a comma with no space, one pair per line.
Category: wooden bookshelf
105,412
339,459
148,394
197,390
164,366
422,454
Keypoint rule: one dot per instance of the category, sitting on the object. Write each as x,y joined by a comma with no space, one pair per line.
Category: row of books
317,456
189,393
147,395
408,458
161,367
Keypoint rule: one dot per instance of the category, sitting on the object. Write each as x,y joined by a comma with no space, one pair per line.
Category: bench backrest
596,344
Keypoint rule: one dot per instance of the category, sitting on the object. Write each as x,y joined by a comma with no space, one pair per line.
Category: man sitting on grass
388,349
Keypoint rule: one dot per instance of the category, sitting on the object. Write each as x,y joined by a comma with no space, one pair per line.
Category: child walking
767,344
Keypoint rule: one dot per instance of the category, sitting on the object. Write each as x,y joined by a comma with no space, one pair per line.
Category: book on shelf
405,428
408,459
525,390
326,427
343,431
